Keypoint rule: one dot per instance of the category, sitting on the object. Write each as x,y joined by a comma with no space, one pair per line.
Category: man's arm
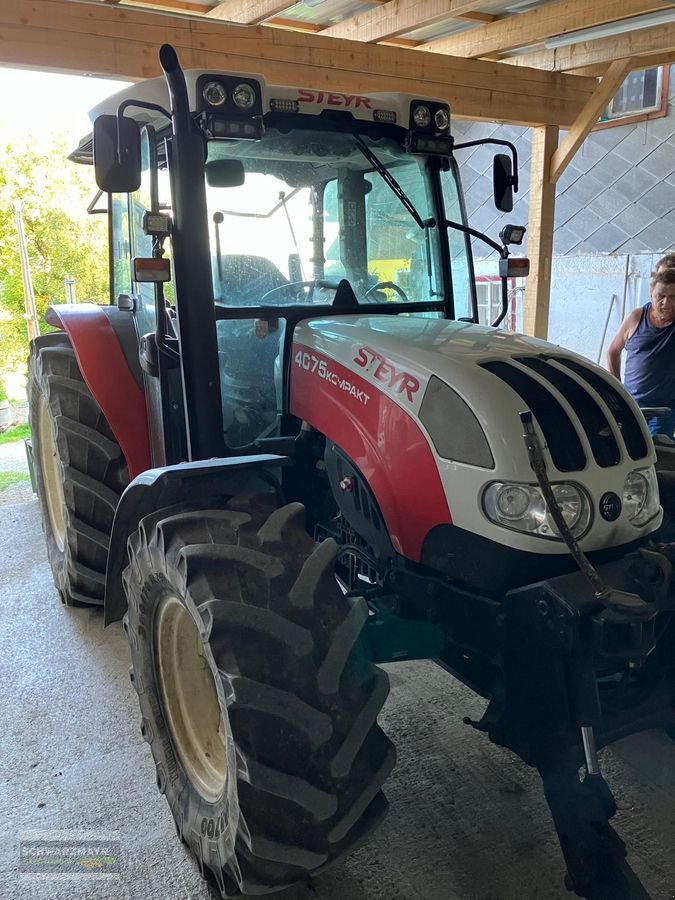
626,329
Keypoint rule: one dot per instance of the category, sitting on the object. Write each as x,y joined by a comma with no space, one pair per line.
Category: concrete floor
467,821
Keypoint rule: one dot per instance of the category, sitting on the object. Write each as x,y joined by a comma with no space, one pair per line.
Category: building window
643,95
489,297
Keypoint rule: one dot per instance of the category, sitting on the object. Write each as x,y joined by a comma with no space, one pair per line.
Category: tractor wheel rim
55,500
199,731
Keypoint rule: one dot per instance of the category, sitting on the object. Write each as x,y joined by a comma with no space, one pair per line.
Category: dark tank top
650,363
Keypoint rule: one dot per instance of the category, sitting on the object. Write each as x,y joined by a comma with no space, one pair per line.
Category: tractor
287,452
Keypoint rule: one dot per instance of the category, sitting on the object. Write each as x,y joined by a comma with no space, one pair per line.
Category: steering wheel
296,286
388,285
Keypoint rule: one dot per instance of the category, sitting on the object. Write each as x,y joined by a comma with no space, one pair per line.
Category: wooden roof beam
176,5
638,62
645,42
252,12
294,25
399,16
588,117
481,17
122,41
248,12
535,26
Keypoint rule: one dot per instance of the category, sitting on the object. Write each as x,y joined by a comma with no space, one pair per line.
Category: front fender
106,349
158,488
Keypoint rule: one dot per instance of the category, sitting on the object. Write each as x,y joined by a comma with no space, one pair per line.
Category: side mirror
502,182
117,156
225,173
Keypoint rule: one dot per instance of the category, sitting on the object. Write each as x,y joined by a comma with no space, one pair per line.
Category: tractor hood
592,432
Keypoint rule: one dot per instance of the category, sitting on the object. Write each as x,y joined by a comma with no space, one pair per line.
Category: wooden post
540,234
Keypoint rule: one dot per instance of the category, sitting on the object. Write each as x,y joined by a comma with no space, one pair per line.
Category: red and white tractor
287,451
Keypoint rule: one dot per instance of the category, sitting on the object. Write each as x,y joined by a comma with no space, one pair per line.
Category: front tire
80,471
257,701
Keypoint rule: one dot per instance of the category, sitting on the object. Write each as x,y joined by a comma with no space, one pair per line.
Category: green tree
63,241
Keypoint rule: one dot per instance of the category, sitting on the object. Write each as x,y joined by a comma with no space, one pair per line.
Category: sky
40,103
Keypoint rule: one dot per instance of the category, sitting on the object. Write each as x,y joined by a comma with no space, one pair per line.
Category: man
648,336
666,262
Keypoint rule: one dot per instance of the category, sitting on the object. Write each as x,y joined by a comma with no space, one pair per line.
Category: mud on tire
80,471
288,778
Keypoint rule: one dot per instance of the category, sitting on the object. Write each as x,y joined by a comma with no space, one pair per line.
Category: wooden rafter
183,6
646,42
251,12
399,42
538,24
637,63
481,17
294,25
248,12
588,117
94,37
398,16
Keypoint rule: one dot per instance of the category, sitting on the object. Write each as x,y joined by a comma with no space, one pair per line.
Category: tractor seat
245,279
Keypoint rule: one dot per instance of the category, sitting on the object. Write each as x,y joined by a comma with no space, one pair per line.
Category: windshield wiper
390,180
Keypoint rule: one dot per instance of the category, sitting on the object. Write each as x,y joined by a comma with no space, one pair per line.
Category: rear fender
156,489
106,348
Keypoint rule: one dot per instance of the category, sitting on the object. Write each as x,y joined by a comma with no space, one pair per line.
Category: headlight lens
523,508
442,119
641,495
214,93
422,116
512,501
243,96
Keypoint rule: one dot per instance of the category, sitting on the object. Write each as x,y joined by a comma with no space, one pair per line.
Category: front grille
593,420
559,428
560,434
629,426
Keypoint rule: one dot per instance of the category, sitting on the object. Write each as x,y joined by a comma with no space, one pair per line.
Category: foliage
7,479
18,433
62,240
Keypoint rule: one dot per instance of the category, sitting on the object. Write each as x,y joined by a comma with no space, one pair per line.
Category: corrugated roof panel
439,30
324,12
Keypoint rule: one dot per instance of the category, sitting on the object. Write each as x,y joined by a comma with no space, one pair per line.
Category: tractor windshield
293,214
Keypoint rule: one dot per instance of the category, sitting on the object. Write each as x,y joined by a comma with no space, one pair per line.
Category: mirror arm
140,104
505,303
503,254
503,251
512,148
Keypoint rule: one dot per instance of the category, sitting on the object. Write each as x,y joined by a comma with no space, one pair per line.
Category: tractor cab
298,203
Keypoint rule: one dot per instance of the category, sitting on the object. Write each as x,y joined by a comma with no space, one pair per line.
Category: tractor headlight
641,495
522,507
214,93
421,116
244,96
442,119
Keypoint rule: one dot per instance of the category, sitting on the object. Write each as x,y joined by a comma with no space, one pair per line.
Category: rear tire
257,701
80,472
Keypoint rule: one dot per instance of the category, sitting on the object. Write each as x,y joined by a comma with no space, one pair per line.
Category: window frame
633,118
493,285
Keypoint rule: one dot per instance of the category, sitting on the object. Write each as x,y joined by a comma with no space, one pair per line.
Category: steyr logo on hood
385,371
351,101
